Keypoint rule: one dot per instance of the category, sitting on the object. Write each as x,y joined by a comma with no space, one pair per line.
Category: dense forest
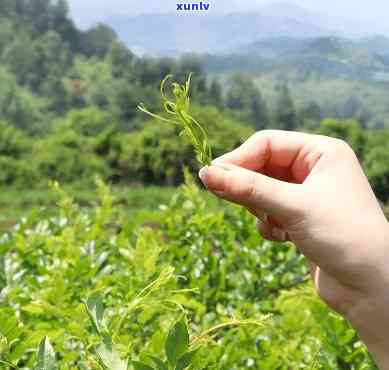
68,106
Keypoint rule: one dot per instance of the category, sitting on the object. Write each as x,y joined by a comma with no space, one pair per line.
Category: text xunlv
193,6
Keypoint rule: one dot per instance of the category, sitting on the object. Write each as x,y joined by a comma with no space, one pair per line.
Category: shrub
106,293
155,155
377,169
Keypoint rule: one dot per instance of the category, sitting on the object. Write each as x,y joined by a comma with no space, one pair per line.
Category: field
130,201
155,279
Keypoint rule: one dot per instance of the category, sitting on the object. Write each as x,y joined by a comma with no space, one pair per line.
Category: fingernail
203,173
279,234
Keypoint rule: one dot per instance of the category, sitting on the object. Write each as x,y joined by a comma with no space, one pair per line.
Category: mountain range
176,33
328,57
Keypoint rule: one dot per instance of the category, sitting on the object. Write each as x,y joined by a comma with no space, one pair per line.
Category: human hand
311,190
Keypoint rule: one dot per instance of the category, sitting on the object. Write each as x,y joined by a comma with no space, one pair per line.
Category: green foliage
179,109
98,40
347,130
177,343
46,355
109,293
17,105
68,157
13,142
154,155
245,100
286,115
377,168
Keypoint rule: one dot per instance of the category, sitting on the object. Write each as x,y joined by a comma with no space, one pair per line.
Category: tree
351,107
245,98
312,111
215,94
13,142
18,106
98,40
34,62
286,115
376,165
348,130
310,115
259,113
89,122
121,60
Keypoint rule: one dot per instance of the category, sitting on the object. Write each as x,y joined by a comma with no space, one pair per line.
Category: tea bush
195,289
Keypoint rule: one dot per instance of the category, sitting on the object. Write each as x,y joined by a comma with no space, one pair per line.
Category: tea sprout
178,108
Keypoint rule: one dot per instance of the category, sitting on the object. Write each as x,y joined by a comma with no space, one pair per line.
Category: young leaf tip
178,107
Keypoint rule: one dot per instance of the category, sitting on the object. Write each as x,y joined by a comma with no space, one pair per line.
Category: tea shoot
178,108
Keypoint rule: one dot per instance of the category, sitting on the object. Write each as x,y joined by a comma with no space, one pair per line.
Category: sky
375,12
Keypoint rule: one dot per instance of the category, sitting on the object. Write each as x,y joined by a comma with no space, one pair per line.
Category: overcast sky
373,11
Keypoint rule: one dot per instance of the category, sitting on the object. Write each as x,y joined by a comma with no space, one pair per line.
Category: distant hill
174,33
326,56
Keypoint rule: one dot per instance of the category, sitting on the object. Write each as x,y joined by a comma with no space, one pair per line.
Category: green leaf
141,366
110,356
46,355
95,308
185,360
177,342
160,364
11,366
179,109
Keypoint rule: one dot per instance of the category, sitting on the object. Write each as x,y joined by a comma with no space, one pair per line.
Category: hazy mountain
325,56
364,50
216,33
164,33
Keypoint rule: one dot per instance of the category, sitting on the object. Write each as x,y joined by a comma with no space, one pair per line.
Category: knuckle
338,148
342,145
263,133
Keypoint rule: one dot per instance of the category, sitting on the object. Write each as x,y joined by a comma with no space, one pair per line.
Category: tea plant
87,289
178,107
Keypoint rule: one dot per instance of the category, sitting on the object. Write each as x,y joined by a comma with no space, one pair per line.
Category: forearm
370,316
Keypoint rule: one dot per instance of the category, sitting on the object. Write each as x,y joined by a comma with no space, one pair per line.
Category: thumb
253,190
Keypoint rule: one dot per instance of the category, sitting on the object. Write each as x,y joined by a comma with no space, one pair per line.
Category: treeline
68,107
87,142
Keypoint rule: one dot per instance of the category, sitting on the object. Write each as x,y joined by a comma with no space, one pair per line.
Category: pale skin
311,190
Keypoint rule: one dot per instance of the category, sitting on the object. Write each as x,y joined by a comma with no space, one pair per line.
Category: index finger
273,149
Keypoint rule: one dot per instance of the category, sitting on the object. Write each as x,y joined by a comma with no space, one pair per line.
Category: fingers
253,190
280,147
279,154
